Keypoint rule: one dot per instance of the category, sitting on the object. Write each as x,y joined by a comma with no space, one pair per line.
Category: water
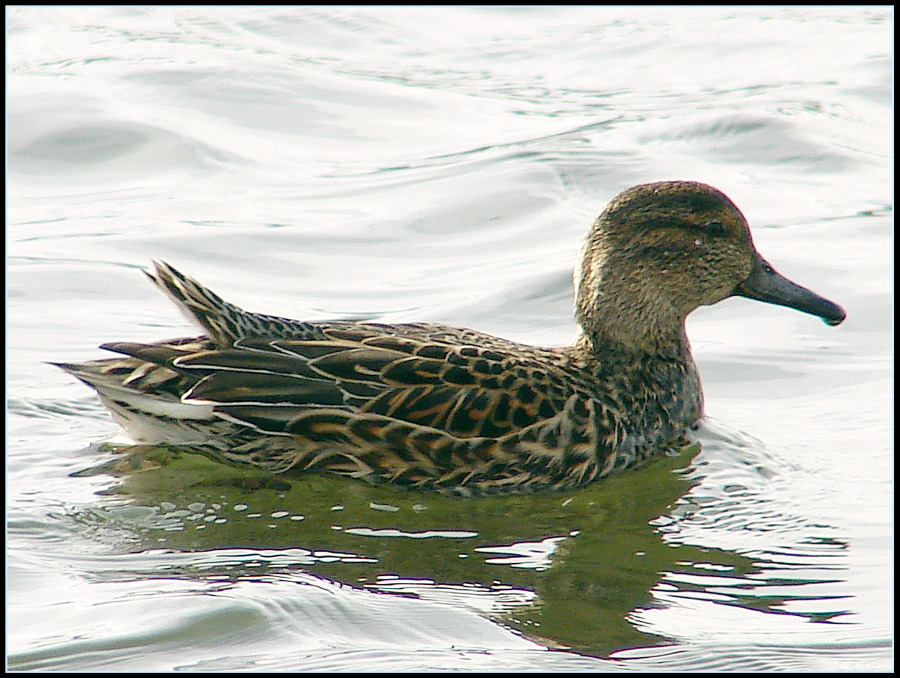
443,164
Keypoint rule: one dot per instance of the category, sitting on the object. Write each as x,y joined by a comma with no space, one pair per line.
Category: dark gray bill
766,284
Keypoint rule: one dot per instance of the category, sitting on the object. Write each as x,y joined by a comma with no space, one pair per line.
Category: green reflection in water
563,568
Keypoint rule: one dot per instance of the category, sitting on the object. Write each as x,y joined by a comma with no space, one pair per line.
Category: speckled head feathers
657,252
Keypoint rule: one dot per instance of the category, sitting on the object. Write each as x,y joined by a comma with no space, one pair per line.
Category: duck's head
660,250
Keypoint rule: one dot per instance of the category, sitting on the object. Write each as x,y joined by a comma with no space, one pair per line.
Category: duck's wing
371,402
276,385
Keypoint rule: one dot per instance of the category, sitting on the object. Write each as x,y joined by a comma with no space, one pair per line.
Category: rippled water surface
443,164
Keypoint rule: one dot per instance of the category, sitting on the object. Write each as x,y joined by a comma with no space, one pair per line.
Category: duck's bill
766,284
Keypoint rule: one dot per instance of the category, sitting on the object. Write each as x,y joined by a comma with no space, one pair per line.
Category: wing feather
399,372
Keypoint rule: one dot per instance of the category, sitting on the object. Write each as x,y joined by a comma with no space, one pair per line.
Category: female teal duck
436,407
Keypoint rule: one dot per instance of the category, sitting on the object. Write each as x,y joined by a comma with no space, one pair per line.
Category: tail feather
219,318
223,322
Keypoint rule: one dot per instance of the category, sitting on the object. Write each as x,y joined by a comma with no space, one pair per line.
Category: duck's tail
223,322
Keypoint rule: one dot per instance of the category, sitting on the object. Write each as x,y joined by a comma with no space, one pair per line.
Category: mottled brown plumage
442,408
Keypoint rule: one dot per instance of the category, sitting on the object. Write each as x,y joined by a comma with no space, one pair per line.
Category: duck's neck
631,331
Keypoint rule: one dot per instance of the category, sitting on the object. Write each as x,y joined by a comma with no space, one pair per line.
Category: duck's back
418,405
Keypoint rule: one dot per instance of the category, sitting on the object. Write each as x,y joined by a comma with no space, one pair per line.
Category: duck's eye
715,228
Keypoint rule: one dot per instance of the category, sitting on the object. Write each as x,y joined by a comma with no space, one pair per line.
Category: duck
426,406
